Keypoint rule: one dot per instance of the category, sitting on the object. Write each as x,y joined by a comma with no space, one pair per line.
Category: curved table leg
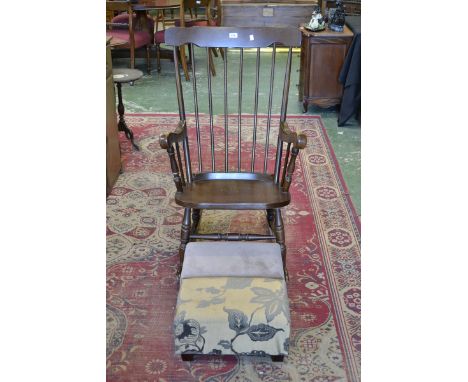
122,125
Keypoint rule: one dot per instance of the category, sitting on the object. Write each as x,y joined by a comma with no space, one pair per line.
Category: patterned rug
143,230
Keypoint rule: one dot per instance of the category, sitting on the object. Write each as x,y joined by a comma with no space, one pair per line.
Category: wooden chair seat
233,191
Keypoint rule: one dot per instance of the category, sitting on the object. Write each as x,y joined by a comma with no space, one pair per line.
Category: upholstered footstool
232,301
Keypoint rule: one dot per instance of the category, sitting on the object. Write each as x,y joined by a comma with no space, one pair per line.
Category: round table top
126,75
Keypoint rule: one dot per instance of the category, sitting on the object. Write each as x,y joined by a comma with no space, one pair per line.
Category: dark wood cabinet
259,13
322,56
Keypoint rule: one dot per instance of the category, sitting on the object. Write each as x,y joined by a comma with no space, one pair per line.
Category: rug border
296,116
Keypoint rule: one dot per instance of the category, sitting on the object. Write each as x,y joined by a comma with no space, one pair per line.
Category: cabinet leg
305,106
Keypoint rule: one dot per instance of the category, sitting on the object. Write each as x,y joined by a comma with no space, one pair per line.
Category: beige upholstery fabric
232,300
232,315
232,259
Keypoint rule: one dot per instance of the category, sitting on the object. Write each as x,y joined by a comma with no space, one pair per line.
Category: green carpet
157,93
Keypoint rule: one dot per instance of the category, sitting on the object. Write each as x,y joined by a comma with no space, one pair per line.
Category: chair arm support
286,135
166,142
178,135
299,142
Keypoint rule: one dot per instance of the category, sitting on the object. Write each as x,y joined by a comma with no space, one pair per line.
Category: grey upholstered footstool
232,300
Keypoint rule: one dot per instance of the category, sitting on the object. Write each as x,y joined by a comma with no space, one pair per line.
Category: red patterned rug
143,230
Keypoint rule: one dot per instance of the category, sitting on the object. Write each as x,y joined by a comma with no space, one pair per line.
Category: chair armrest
166,141
299,141
178,135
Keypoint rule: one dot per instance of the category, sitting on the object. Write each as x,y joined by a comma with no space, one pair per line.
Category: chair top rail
115,5
233,37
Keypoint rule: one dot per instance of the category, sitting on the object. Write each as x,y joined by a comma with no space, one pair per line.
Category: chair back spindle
284,107
254,136
180,100
195,103
239,111
226,115
210,108
270,103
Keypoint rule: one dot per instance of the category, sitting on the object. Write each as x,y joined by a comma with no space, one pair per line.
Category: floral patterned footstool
232,300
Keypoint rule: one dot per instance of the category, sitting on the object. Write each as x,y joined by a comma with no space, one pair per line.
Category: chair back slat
270,103
210,109
226,119
195,103
254,136
239,111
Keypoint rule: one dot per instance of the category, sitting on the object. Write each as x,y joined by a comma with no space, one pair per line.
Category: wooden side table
123,76
322,56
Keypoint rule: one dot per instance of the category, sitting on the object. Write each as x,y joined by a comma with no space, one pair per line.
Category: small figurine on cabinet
316,23
337,20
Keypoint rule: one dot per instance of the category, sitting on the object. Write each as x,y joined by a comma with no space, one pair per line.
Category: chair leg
132,59
215,52
196,215
184,238
271,219
148,58
183,60
158,57
221,51
279,233
210,59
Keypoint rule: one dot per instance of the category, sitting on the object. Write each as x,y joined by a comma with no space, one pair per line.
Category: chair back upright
238,38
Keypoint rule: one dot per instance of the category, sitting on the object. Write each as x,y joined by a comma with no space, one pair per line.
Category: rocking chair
233,187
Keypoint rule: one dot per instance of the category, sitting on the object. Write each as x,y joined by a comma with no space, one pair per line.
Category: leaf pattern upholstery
232,315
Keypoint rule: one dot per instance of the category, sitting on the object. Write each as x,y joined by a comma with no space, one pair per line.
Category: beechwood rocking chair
227,188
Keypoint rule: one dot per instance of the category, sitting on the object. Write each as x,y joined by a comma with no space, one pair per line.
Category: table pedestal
122,125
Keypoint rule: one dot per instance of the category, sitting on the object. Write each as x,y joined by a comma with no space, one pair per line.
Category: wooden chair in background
208,21
231,186
124,29
159,35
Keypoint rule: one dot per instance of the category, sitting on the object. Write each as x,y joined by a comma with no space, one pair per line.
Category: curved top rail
233,37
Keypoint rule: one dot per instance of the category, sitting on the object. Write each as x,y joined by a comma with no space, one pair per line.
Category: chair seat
159,37
123,19
232,191
141,37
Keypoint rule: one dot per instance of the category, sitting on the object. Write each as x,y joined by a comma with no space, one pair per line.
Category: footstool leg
279,233
122,126
184,238
277,358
